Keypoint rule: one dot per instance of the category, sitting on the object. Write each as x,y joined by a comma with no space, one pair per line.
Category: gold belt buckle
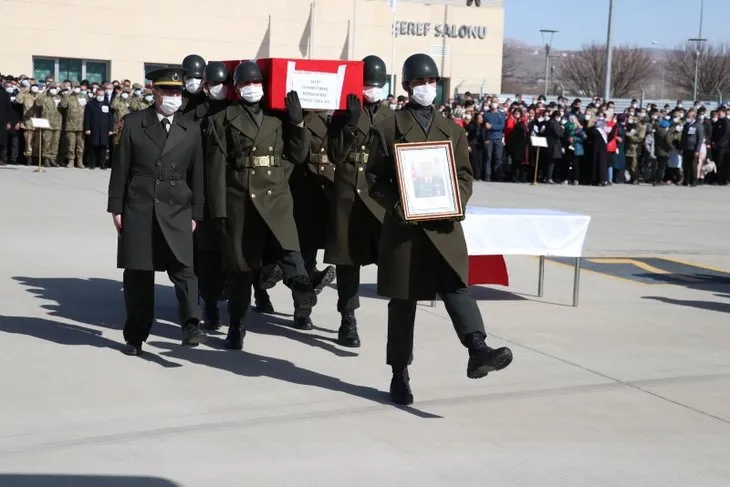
323,159
261,161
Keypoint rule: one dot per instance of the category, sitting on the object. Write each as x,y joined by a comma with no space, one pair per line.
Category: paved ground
631,389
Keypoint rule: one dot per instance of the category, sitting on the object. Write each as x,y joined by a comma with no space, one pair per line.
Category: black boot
304,296
482,359
400,387
302,321
192,334
212,316
270,276
236,334
263,305
347,335
322,279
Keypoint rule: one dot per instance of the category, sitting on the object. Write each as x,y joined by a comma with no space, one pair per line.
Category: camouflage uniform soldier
137,103
73,103
27,97
120,107
48,103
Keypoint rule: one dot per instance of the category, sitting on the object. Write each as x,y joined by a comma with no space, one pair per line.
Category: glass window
43,67
95,71
69,69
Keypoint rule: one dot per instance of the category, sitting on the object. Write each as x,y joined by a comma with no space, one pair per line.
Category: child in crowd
674,173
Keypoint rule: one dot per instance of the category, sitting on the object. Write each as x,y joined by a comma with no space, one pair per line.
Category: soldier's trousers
75,147
29,150
460,305
348,288
139,299
211,276
309,261
51,140
240,296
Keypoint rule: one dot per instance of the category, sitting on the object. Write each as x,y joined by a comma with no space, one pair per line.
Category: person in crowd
494,121
517,143
98,127
477,139
574,137
554,134
693,137
720,142
635,134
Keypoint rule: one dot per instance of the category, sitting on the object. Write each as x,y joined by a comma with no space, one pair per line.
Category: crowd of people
576,144
82,118
561,142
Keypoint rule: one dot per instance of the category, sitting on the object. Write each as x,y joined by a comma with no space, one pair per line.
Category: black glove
294,108
353,110
400,216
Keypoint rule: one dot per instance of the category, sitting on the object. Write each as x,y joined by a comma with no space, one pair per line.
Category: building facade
100,40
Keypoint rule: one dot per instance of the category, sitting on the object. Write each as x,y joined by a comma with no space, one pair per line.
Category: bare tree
584,70
714,69
509,62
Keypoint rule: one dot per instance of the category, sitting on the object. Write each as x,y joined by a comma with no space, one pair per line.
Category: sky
636,22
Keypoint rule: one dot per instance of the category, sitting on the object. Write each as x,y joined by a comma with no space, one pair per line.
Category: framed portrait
427,181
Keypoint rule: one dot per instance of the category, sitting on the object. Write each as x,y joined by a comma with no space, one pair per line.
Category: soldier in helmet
353,233
419,260
193,94
311,186
208,259
249,149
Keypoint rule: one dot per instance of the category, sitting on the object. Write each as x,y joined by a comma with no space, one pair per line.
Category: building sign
427,29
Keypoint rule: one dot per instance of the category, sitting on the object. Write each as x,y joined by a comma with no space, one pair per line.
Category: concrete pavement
630,389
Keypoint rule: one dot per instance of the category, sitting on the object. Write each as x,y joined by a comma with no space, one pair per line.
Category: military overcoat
158,179
206,235
311,184
353,232
252,198
409,255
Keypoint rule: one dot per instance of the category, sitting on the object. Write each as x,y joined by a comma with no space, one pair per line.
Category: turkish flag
488,269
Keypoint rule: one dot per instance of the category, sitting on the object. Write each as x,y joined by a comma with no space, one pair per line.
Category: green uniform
73,105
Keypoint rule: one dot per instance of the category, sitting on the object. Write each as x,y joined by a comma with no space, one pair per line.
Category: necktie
165,126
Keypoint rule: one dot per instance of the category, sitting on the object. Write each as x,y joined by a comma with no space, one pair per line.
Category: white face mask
170,104
372,94
148,98
100,98
25,83
108,92
53,91
393,106
424,95
9,89
125,96
193,85
252,93
494,106
218,92
137,93
77,90
34,89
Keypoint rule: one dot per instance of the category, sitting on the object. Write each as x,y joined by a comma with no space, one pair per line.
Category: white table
542,233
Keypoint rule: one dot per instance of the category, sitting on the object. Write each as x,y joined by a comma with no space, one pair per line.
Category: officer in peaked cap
193,95
417,261
208,258
156,197
250,152
353,233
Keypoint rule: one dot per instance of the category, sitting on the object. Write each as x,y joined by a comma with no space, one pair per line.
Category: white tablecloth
507,231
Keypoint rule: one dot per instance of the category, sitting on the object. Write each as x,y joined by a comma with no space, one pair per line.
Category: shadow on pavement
480,293
66,334
99,302
706,305
62,480
251,365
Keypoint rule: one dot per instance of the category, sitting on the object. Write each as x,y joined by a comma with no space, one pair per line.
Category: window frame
57,61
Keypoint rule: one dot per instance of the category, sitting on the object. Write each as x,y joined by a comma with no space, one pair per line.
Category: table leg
541,277
576,281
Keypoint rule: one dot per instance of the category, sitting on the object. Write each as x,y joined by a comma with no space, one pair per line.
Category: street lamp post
664,65
609,53
547,38
697,41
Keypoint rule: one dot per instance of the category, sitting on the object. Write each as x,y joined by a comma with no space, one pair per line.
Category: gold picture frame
427,181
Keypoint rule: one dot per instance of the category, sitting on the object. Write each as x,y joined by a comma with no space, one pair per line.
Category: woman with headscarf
476,135
517,141
574,154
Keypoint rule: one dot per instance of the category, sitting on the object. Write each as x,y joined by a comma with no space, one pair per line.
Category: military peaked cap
167,77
